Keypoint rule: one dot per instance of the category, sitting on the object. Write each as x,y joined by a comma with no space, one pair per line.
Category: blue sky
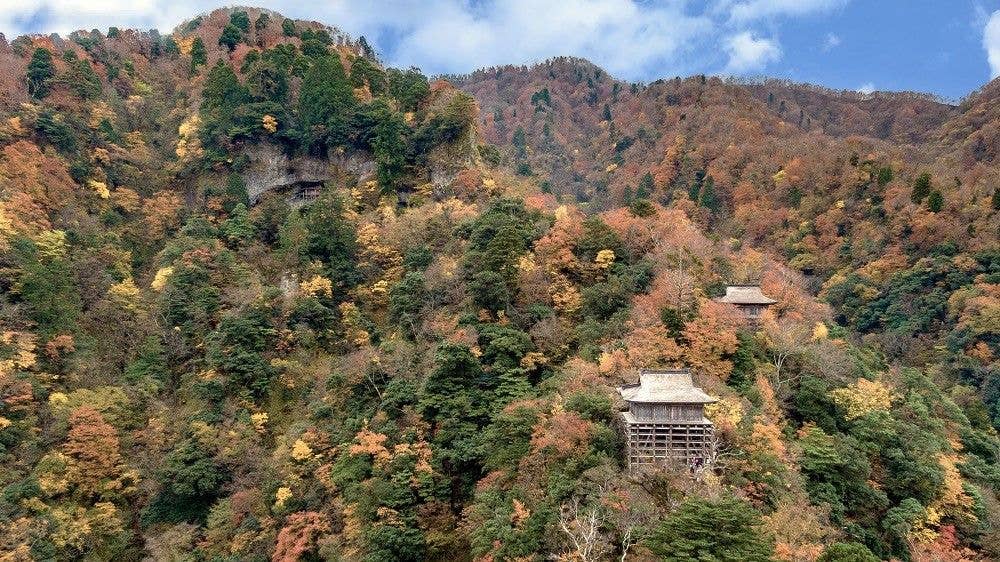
944,47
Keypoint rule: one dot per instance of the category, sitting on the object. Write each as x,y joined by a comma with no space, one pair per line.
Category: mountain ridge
265,298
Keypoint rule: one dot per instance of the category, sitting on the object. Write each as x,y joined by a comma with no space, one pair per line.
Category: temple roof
671,386
745,294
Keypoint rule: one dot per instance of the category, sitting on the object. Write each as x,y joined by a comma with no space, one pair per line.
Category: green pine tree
325,102
40,73
238,229
646,186
935,201
199,56
84,81
921,188
222,95
389,148
707,198
724,530
240,20
884,176
231,36
847,552
520,142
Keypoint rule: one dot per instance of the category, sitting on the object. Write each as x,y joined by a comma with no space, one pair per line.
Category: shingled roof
672,386
745,294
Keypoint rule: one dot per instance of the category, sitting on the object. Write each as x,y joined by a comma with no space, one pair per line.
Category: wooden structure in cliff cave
665,420
749,300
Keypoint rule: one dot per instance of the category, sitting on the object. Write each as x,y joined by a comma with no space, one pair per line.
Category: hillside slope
264,298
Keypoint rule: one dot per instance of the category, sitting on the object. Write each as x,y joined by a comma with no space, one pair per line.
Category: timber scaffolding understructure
665,422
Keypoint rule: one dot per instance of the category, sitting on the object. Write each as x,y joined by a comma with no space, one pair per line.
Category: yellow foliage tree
301,451
125,294
862,398
160,279
269,123
317,286
605,259
188,141
51,244
100,188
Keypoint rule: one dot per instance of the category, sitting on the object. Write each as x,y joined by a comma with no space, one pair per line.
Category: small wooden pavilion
749,300
665,420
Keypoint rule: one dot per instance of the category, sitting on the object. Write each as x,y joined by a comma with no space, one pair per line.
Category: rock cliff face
300,178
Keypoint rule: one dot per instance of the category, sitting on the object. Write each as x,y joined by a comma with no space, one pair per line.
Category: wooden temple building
748,300
665,421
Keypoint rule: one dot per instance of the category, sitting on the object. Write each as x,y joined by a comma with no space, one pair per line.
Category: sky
948,48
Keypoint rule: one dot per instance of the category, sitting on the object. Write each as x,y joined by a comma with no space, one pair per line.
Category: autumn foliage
263,297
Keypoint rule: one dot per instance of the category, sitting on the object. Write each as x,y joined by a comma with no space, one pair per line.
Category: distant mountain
264,297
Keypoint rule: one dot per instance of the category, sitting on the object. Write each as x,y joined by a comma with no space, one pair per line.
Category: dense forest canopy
264,298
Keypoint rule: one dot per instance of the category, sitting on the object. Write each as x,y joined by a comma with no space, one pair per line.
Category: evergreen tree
884,176
170,46
231,36
236,349
222,95
40,73
389,147
996,199
326,102
847,552
366,49
921,188
238,229
694,189
191,481
724,530
263,20
240,20
409,87
454,401
332,240
741,377
497,240
199,56
707,198
520,142
288,27
646,186
150,365
267,82
84,81
364,71
406,299
935,201
46,284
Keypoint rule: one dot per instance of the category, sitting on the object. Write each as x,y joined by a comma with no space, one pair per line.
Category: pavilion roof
745,294
665,386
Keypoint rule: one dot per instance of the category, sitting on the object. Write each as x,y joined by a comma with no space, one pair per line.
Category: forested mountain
265,298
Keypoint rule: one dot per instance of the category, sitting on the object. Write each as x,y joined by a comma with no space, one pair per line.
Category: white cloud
991,42
831,42
867,88
630,38
619,35
752,10
63,16
748,53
